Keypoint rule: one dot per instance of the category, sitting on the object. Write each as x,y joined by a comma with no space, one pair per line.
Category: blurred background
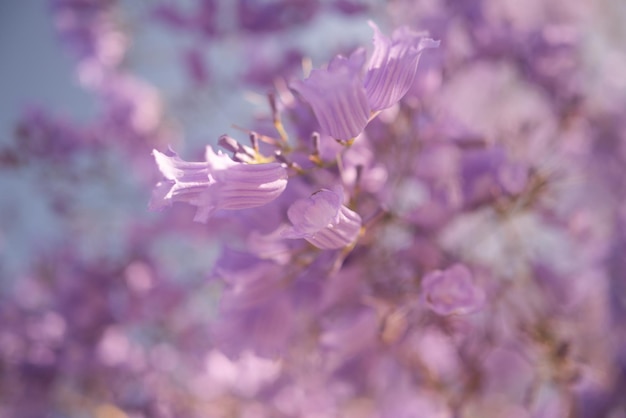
104,305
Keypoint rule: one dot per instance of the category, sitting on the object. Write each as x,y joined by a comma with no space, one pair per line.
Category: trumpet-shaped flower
393,65
217,183
323,220
343,101
337,96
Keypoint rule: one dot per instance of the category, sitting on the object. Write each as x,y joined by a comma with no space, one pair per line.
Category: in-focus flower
452,291
323,220
343,101
392,68
217,183
337,96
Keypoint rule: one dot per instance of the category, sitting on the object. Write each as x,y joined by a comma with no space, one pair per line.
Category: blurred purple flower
195,66
348,334
218,183
323,220
256,311
349,7
337,96
452,291
393,65
274,15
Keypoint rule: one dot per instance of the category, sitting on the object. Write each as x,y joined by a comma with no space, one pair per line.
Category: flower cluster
405,245
431,226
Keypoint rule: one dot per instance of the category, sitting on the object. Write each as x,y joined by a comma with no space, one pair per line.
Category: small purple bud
254,141
337,96
392,68
241,153
452,291
218,183
228,143
323,220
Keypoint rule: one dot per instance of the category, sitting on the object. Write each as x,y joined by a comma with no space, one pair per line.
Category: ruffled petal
218,183
337,97
393,65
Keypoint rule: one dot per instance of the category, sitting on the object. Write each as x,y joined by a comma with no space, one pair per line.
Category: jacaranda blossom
323,220
452,291
337,96
217,183
343,100
392,68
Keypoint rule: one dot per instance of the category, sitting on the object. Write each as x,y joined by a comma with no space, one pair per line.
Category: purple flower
393,65
256,311
337,96
342,101
452,291
276,15
349,333
218,183
323,220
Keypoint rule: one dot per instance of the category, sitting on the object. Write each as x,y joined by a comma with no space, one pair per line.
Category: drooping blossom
452,291
337,96
217,183
393,65
323,220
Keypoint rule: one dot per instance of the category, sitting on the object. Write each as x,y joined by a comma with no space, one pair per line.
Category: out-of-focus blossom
323,220
350,7
246,376
92,32
274,15
218,183
452,291
256,311
349,334
134,108
361,168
